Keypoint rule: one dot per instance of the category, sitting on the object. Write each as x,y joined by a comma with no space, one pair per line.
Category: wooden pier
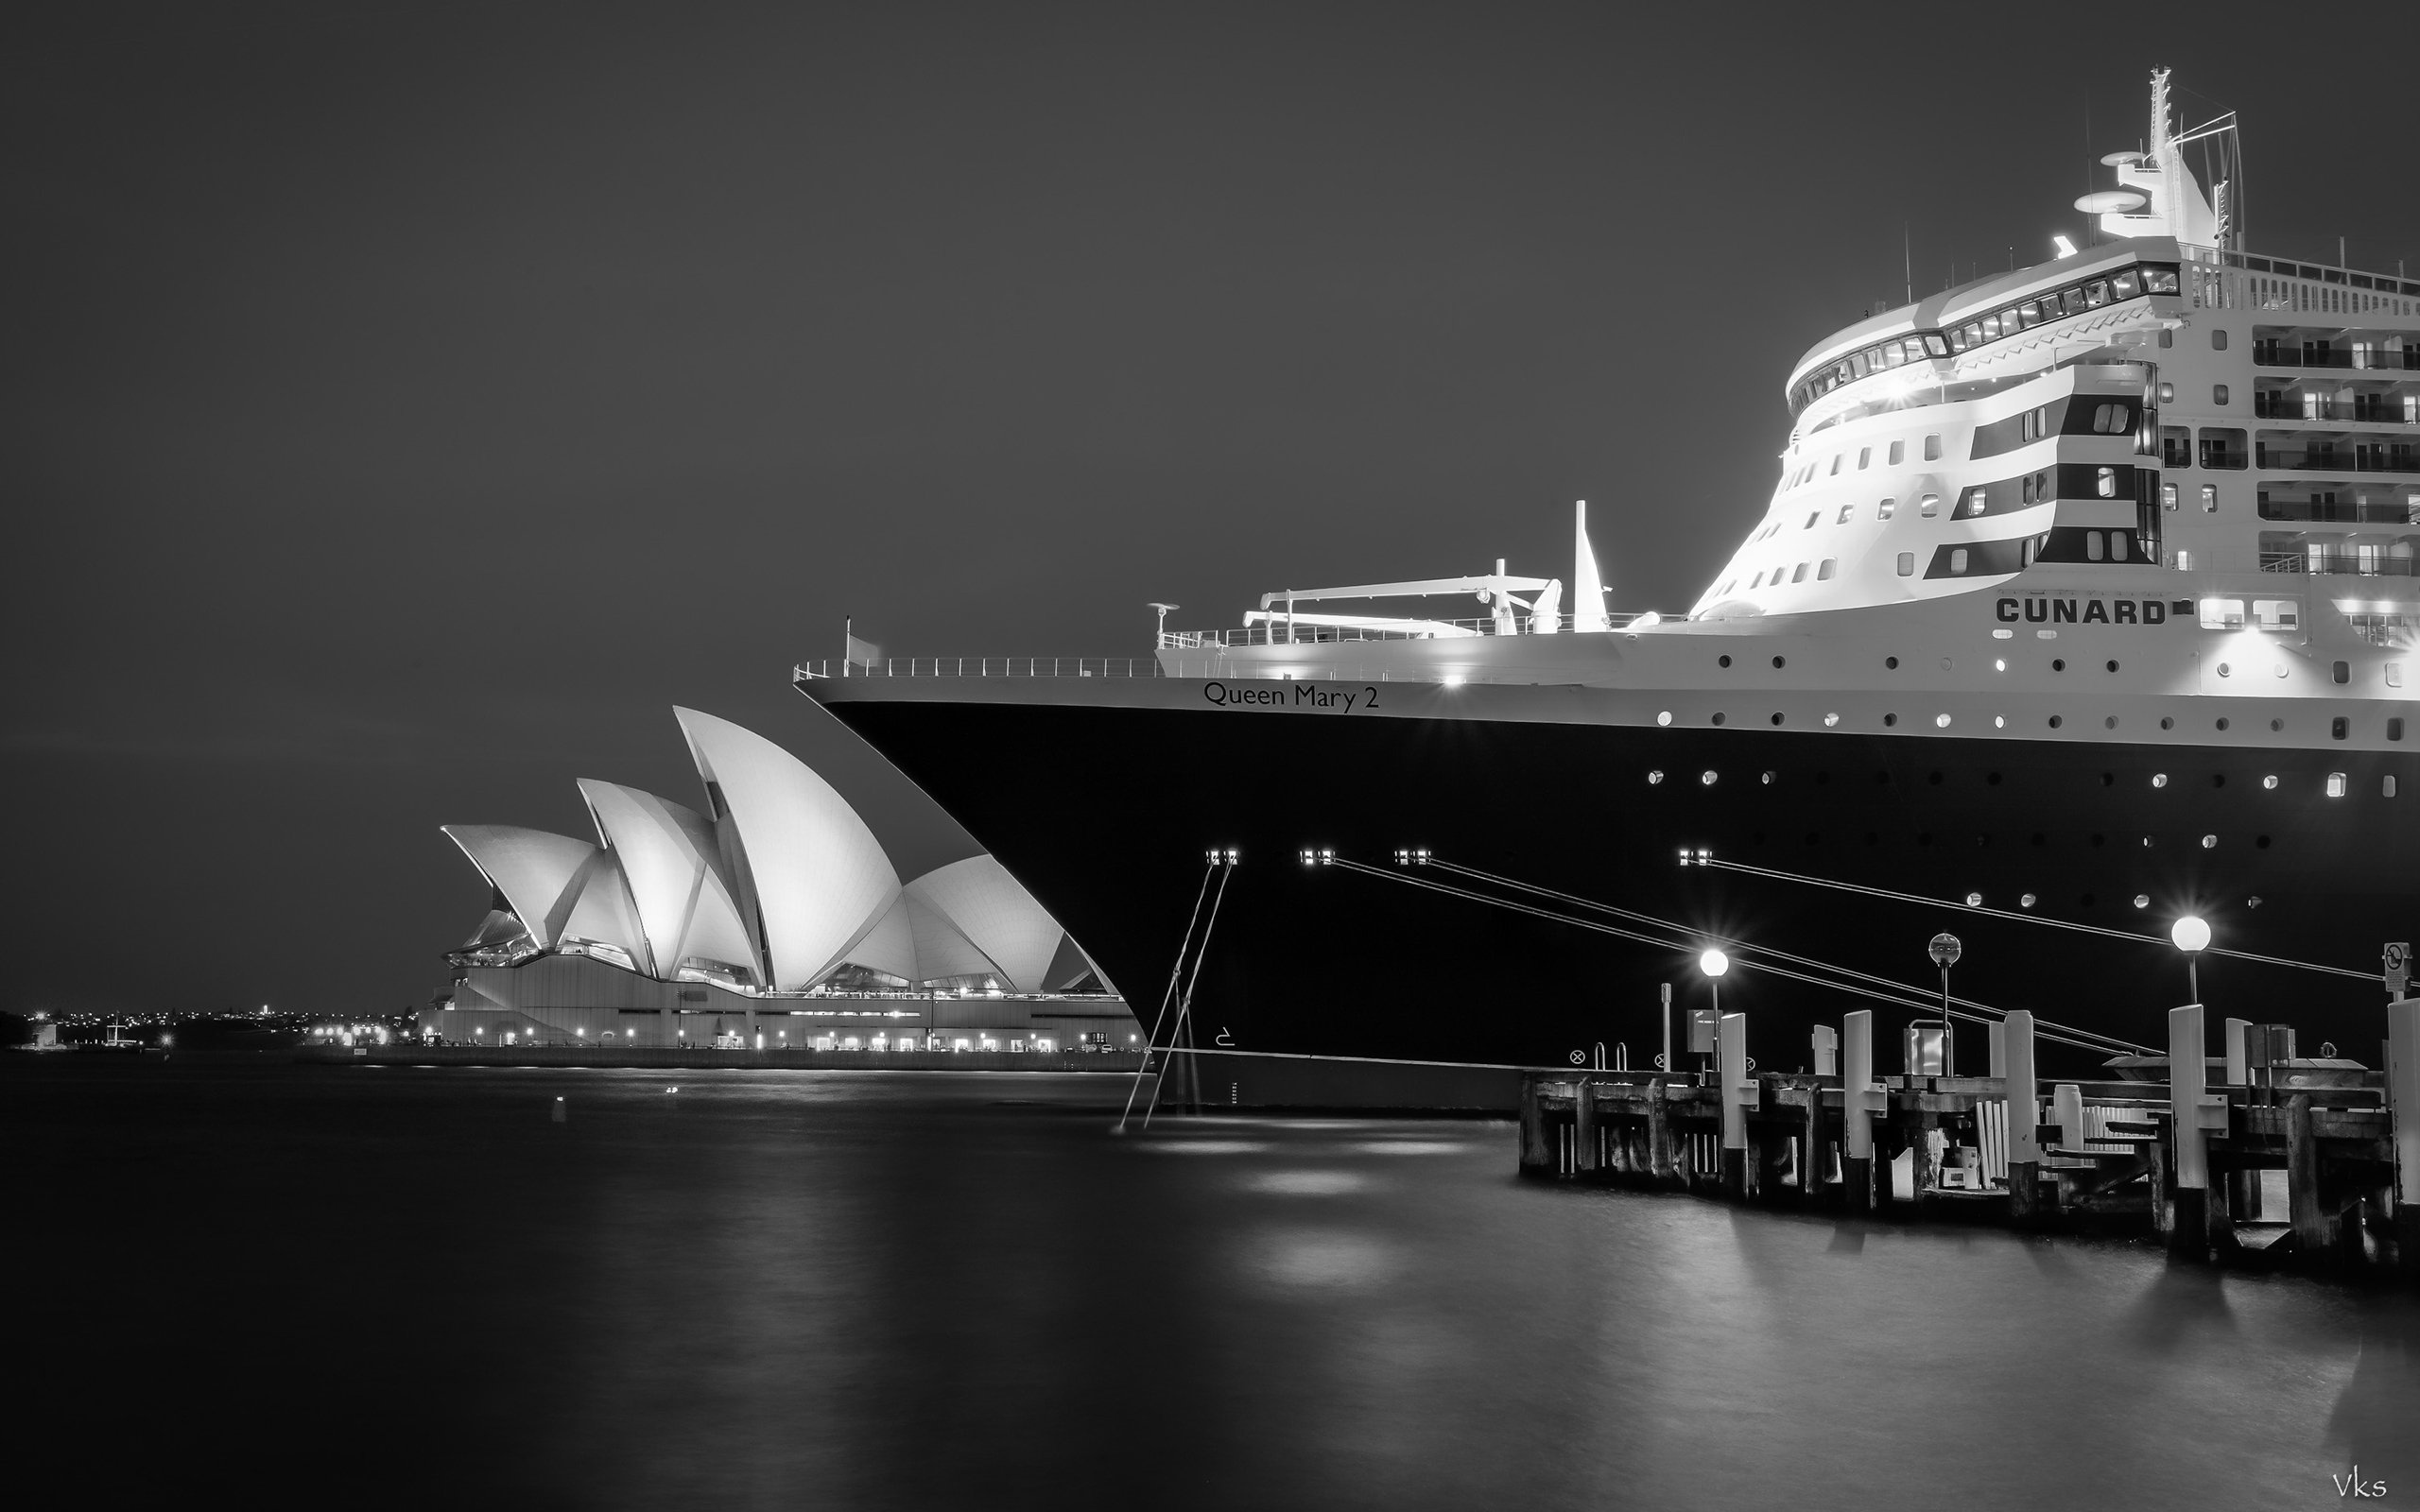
2064,1155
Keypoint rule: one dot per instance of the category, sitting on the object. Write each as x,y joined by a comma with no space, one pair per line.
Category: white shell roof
819,878
533,869
993,912
668,857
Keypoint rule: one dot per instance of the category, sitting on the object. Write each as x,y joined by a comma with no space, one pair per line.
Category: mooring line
1169,995
1683,947
2112,1042
2023,919
1185,1003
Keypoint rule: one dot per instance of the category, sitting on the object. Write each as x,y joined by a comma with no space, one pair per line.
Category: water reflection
887,1290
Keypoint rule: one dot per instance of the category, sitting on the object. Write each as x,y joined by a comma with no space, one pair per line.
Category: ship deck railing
2336,565
1212,642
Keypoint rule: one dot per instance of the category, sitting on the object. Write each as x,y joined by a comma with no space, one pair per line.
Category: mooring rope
1168,996
2112,1042
1683,947
1185,1003
2024,918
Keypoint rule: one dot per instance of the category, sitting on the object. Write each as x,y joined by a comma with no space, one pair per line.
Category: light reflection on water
894,1290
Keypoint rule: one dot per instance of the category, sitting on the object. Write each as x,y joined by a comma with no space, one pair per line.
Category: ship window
1799,576
1754,581
2118,539
2336,785
1932,448
2222,449
2073,299
1889,508
1898,452
1836,465
1823,573
1864,454
1928,505
2341,672
1991,324
2092,545
2339,727
2159,281
1907,564
2394,727
2278,613
2106,482
2125,285
2167,497
1973,331
1971,504
1811,518
2222,613
1848,512
2210,498
2219,343
2096,294
1958,560
2395,673
2218,394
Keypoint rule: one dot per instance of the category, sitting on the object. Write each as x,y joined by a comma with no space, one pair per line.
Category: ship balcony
2384,506
2321,457
2338,554
2358,356
2396,406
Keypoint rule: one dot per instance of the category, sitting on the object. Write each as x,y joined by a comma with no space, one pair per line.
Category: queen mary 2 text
1289,696
2041,610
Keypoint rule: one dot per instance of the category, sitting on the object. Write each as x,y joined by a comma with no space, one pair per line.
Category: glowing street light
1712,963
1944,950
2192,935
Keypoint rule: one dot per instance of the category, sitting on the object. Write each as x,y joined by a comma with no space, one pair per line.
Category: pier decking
2076,1155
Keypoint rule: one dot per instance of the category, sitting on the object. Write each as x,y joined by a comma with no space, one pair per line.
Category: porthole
2110,723
2276,727
2270,781
2058,663
2055,721
2159,779
2209,842
2025,901
1831,720
2261,844
1707,778
1941,721
1889,719
1999,722
1654,779
2113,666
1780,661
1664,716
2222,724
2142,899
1723,660
1776,718
1718,718
1891,661
2167,722
2223,671
1974,900
1768,779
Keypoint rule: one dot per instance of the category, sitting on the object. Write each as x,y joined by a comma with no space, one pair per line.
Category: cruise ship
2083,604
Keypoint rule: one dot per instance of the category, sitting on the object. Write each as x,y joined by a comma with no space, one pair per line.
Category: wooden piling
1814,1151
1536,1155
2016,1046
1659,1136
1857,1119
1583,1133
2314,1226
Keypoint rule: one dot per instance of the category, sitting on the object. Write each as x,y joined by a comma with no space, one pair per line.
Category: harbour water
869,1289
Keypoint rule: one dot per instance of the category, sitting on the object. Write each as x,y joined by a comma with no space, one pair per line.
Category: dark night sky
405,406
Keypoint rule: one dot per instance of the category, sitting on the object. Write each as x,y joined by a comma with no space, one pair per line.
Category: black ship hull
1105,808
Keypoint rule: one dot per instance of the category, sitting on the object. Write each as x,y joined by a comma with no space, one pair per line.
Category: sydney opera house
773,921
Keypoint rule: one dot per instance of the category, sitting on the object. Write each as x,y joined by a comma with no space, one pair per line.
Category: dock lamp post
2192,935
1944,951
1714,963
